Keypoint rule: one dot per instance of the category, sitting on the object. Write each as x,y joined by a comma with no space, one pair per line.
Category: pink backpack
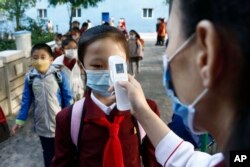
76,122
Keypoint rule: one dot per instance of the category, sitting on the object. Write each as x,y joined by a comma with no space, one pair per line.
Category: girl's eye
97,66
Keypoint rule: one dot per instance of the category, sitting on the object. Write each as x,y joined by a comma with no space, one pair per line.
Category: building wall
131,10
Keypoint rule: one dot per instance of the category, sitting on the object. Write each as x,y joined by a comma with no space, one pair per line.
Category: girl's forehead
105,44
71,44
103,48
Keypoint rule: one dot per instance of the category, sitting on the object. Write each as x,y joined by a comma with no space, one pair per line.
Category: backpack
56,73
78,114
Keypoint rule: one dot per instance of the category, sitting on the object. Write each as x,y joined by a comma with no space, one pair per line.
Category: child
49,91
103,128
162,31
58,46
135,44
84,27
69,63
75,33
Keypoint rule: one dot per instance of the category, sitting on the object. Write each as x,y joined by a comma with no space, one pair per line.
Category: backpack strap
141,131
78,114
58,77
141,134
76,118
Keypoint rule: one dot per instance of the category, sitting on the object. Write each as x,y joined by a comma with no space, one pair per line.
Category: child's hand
135,95
15,128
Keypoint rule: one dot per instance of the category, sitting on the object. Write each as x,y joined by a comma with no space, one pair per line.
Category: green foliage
38,35
44,37
75,4
7,44
16,9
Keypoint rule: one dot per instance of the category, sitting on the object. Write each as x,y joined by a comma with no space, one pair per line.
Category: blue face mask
99,81
186,112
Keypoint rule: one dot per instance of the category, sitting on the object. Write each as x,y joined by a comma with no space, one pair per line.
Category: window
42,13
76,12
147,13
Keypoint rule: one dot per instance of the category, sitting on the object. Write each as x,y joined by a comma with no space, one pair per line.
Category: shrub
7,44
38,35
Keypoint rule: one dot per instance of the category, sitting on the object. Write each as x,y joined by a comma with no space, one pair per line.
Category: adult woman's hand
155,128
135,95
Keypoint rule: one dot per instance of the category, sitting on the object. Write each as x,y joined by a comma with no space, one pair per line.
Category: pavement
24,149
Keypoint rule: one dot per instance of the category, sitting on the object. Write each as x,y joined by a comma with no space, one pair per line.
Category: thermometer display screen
119,68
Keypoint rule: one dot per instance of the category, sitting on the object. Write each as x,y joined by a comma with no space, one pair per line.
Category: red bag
4,128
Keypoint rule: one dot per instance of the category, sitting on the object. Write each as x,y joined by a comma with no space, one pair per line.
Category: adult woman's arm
171,150
155,128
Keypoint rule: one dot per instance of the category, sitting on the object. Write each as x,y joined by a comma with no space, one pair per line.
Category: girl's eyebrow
97,58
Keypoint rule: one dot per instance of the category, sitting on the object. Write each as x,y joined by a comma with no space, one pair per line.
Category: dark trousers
48,146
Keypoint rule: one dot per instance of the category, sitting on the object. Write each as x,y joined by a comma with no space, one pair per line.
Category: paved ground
24,150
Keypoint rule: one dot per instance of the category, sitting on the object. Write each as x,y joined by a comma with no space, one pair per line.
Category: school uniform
73,72
93,137
174,151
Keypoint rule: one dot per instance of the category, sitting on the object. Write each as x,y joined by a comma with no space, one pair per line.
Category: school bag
4,128
78,114
56,73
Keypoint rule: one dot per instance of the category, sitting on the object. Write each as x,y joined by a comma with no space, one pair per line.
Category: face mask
75,37
132,37
186,112
99,81
41,65
59,43
71,53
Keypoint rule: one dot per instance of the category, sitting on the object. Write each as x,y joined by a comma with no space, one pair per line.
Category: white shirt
173,151
76,81
103,107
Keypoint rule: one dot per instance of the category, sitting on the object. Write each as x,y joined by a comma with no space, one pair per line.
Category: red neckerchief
113,155
69,62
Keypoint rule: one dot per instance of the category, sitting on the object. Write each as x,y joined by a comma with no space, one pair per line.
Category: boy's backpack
4,128
78,114
56,73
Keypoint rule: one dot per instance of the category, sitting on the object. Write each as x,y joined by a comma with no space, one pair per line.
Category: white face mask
71,53
59,43
132,36
75,37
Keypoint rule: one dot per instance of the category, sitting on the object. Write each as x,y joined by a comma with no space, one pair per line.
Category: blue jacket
49,93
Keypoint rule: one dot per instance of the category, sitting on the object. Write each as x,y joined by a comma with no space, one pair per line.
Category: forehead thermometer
118,72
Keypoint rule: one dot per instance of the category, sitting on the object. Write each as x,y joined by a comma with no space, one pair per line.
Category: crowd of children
61,76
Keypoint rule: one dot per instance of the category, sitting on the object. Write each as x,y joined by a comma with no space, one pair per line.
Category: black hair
75,29
231,18
42,46
58,35
106,23
100,32
85,24
67,41
136,34
76,22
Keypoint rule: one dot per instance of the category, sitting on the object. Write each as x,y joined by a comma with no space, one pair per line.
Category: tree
73,4
16,8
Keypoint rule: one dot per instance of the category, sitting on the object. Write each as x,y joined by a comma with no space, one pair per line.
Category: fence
13,66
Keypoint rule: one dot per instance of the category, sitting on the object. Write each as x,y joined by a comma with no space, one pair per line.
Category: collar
103,107
34,72
94,111
58,60
70,63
